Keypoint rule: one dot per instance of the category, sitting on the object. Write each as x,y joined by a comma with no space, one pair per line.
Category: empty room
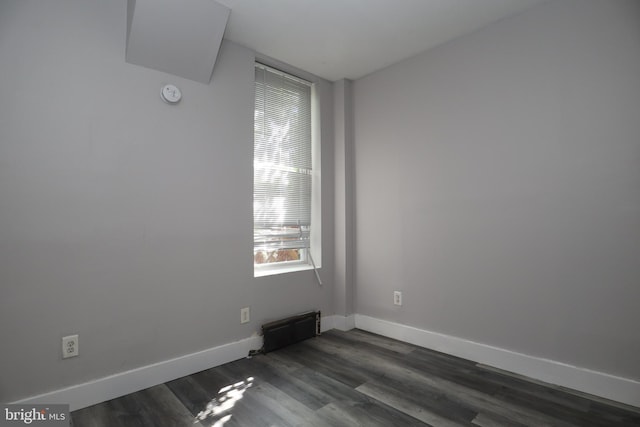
320,213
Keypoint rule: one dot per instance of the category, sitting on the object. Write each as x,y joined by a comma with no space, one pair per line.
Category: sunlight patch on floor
227,398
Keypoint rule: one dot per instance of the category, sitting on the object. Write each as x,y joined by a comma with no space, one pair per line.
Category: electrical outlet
245,315
70,346
397,298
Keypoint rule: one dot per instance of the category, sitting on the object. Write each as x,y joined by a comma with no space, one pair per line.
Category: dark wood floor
354,379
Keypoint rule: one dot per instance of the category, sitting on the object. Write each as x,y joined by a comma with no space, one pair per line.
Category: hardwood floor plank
355,378
443,372
493,420
348,372
204,395
375,340
535,388
557,410
508,384
418,381
237,396
285,406
373,363
336,416
282,362
160,406
290,383
212,381
402,402
444,359
450,371
365,414
328,388
94,416
191,394
567,392
150,407
615,415
428,398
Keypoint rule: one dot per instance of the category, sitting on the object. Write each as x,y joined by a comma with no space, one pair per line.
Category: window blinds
282,160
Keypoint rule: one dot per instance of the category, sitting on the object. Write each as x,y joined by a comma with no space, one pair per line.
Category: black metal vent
282,333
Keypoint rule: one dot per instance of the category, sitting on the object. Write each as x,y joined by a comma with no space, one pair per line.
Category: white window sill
273,270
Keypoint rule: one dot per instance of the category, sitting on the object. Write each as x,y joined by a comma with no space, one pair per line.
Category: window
283,172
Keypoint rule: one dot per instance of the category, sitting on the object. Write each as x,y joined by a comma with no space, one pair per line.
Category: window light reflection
227,398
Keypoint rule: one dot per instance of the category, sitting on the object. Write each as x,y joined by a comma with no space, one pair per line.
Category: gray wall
122,218
498,186
343,196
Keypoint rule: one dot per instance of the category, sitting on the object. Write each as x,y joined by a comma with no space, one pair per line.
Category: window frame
311,256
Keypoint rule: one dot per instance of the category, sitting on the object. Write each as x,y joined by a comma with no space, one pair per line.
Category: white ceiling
337,39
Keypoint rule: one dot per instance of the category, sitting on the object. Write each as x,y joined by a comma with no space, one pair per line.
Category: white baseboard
592,382
103,389
327,323
611,387
342,323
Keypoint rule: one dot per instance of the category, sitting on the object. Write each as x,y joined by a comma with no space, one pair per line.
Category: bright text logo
36,415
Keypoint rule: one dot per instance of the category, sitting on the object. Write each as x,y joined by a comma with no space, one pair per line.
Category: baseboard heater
282,333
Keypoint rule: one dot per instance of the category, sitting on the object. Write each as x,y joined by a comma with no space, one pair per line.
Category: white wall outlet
245,315
70,346
397,298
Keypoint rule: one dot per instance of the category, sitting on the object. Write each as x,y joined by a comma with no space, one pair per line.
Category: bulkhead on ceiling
180,37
